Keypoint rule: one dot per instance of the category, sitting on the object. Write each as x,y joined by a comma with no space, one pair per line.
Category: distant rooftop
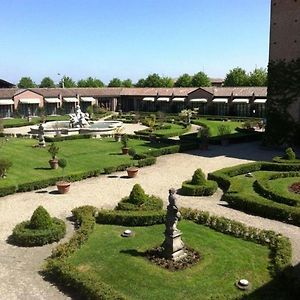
6,84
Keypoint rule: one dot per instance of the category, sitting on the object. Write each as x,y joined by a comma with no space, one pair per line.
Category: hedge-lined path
19,266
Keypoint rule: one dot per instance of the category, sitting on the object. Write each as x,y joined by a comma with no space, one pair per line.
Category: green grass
119,262
281,185
31,163
213,125
175,130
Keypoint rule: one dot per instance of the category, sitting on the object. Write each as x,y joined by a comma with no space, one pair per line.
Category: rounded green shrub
40,219
41,229
139,200
290,154
137,195
198,177
199,186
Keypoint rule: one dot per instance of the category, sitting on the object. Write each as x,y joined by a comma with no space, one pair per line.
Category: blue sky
131,38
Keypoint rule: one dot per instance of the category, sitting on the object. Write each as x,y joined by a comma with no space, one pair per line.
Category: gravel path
19,266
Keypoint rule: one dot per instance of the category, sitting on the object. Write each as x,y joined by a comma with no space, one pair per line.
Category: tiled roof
157,91
8,93
237,91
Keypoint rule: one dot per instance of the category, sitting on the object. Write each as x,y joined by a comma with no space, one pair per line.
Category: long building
235,101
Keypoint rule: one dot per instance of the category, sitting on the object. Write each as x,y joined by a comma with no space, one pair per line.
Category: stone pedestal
173,245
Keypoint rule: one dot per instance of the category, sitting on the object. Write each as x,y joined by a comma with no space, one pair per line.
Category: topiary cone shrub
290,154
41,229
40,219
199,186
139,200
198,177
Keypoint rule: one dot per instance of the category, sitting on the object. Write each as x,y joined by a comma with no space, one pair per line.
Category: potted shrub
224,132
5,164
203,134
124,141
53,150
63,186
132,171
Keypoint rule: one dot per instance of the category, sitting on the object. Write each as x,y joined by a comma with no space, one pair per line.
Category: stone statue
173,245
41,137
79,119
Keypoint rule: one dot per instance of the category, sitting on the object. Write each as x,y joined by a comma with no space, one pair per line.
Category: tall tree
236,77
47,82
26,83
67,82
115,82
200,79
90,82
167,81
153,80
140,83
127,83
259,77
185,80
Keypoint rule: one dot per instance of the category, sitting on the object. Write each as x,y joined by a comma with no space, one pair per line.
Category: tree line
235,77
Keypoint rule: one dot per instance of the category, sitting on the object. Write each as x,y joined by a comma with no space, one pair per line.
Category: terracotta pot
132,172
125,150
53,163
63,186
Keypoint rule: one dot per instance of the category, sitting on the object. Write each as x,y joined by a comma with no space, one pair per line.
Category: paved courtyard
19,266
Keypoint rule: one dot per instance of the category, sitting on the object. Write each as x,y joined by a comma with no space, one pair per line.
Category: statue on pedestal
173,245
41,137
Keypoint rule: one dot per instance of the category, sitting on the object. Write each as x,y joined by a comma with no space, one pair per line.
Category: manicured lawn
120,263
24,122
281,185
31,163
169,130
213,125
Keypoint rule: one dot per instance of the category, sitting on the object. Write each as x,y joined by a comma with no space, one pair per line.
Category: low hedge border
57,269
280,246
281,160
24,236
131,218
261,187
67,138
254,203
208,189
178,132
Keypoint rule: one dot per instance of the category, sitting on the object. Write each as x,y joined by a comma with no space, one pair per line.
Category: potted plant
132,172
63,186
53,150
124,141
203,134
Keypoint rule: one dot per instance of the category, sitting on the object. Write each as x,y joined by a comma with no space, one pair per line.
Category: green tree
185,80
200,79
167,82
236,77
47,82
115,82
26,83
259,77
140,83
67,82
90,82
153,80
127,83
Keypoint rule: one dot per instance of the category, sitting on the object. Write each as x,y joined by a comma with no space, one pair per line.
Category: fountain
79,123
79,119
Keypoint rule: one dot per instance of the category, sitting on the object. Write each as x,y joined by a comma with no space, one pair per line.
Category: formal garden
136,251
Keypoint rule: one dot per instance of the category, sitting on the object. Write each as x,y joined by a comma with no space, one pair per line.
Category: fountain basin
63,127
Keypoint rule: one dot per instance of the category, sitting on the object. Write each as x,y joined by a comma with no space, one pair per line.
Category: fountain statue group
79,119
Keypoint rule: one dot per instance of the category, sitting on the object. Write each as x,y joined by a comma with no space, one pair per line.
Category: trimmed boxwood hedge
88,287
24,235
254,203
261,187
280,246
283,160
207,189
131,218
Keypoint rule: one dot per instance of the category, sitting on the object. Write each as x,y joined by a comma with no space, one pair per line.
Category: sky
131,38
